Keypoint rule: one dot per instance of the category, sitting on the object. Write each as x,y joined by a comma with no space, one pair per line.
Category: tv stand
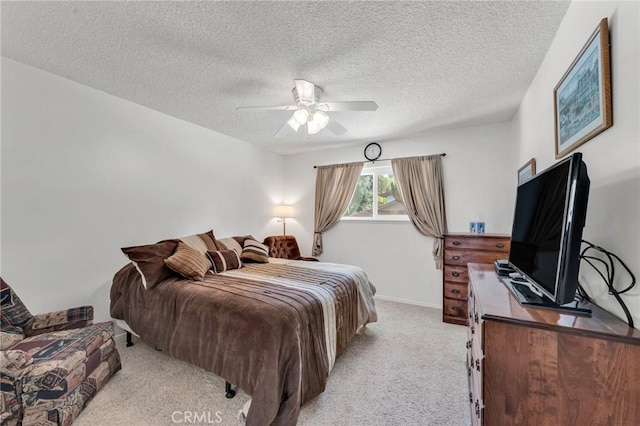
544,366
525,296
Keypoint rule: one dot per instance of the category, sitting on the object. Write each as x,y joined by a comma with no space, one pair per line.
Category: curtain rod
444,154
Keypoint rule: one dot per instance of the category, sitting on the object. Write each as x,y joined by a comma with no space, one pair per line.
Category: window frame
376,170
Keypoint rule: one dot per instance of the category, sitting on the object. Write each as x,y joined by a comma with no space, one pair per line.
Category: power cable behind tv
607,274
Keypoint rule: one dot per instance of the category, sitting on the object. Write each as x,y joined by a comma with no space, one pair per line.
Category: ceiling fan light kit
318,122
301,116
293,124
307,110
313,128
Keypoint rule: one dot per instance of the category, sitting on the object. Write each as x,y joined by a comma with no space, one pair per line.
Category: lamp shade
317,122
321,118
284,210
301,116
293,124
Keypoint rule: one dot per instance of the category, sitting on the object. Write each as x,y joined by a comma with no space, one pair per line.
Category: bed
272,329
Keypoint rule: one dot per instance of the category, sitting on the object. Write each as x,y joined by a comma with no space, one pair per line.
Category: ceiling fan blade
274,107
348,106
306,91
336,128
282,131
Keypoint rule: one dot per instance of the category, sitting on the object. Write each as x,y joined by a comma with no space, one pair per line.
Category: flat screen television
550,213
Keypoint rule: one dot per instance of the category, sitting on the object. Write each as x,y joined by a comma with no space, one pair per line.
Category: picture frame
582,98
527,171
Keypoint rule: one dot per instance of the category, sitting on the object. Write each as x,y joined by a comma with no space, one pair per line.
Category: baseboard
409,302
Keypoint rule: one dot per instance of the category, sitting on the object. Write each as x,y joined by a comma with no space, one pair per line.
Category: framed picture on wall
582,98
527,171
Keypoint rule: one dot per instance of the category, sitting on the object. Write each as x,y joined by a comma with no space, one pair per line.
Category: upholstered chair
285,247
51,364
15,314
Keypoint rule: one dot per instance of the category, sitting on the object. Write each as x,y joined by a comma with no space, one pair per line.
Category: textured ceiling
427,64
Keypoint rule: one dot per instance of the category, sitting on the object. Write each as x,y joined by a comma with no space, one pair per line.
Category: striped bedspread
319,280
273,329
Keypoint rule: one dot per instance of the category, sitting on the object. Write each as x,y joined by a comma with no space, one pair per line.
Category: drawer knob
499,245
456,243
475,318
455,257
455,308
477,409
455,290
470,396
473,330
478,364
468,344
455,274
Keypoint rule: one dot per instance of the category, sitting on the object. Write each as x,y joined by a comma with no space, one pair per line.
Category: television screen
549,216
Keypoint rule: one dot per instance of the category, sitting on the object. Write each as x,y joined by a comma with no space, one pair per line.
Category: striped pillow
188,262
254,251
201,242
229,244
224,260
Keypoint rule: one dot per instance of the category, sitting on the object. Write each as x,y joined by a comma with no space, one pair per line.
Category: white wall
85,173
479,179
613,157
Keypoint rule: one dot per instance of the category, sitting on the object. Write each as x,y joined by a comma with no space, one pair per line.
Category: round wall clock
372,151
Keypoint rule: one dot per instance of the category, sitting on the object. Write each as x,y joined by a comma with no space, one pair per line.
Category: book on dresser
460,249
543,367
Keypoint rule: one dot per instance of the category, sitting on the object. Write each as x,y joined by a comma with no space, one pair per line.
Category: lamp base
284,225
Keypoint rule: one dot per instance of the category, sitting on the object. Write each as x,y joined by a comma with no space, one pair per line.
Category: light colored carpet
406,369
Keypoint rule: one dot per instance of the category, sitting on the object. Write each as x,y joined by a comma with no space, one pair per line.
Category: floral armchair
51,364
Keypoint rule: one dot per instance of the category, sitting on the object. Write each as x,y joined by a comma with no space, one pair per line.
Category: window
385,205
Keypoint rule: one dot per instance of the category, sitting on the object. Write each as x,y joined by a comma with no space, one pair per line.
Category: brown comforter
266,328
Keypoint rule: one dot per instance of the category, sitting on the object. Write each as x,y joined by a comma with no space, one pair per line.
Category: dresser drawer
456,273
461,258
455,290
459,250
455,308
477,243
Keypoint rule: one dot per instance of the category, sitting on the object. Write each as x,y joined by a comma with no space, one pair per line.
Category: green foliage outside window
362,202
387,199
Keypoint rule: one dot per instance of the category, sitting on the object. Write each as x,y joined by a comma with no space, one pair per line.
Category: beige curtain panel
334,188
420,183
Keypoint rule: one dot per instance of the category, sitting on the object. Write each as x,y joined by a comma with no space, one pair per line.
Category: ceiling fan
311,113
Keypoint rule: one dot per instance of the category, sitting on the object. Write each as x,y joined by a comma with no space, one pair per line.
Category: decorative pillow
241,240
229,244
254,251
224,260
149,261
202,242
189,262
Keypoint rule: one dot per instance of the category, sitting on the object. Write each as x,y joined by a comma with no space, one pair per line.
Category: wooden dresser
541,367
460,249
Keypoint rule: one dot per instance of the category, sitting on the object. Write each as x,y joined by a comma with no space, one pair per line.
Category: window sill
354,220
